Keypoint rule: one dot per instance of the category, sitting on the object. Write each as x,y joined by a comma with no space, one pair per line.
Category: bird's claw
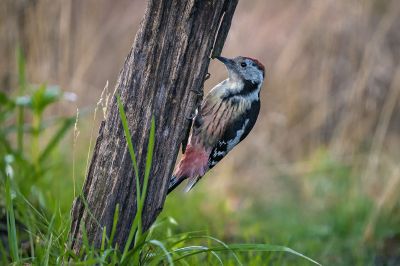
191,116
199,93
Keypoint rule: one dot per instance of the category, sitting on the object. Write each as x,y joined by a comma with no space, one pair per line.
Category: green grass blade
50,226
136,228
149,159
140,205
38,215
85,203
217,257
137,222
138,247
247,247
3,254
164,249
88,262
48,248
30,231
131,236
85,241
115,256
103,239
104,256
11,228
216,240
128,138
198,250
114,226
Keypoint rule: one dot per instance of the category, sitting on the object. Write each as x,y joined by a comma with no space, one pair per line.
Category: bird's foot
191,116
198,93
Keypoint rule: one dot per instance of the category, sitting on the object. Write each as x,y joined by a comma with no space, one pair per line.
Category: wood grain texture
168,59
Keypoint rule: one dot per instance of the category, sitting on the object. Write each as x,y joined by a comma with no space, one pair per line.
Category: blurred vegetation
327,217
319,173
26,148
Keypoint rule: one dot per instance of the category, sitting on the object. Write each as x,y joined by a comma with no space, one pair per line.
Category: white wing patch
212,163
233,142
219,153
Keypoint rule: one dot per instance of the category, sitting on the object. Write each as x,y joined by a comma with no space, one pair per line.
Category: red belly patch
194,162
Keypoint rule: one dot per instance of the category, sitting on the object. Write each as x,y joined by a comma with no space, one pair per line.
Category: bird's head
244,69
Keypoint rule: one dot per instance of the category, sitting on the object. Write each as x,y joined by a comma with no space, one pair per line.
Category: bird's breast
216,116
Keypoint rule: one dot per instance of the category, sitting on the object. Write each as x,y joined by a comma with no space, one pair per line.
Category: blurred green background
320,171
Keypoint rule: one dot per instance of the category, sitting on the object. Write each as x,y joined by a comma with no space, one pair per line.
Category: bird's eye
243,64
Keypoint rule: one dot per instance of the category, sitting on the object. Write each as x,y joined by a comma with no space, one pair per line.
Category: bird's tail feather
174,182
191,183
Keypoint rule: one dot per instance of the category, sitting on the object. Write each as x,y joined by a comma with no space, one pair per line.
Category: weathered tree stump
168,60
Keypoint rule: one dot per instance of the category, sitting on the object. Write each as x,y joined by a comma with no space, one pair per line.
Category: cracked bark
168,59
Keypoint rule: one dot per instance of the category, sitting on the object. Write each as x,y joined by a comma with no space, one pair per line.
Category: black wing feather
221,148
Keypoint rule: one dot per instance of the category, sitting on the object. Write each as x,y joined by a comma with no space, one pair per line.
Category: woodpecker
224,118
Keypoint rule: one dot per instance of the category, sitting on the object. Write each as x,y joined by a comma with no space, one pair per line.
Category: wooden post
168,60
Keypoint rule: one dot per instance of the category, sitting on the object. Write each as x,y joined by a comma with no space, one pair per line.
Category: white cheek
260,77
255,75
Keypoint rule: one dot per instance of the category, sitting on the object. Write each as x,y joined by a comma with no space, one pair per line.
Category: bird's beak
229,63
231,67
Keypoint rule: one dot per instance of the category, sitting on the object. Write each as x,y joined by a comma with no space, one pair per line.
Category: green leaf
44,96
5,101
6,109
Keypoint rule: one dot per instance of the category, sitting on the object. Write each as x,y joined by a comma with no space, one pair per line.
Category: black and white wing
234,133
